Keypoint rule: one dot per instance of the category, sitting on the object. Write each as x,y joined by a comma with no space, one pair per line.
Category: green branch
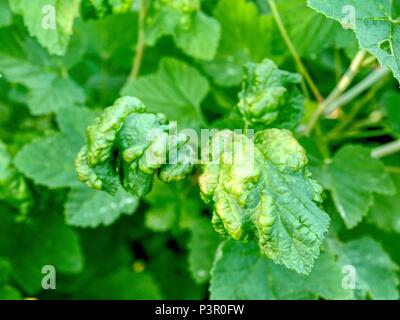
386,150
300,66
140,44
342,85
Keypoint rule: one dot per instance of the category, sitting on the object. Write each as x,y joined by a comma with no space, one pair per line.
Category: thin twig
392,169
140,44
386,150
360,134
356,108
342,85
300,66
354,92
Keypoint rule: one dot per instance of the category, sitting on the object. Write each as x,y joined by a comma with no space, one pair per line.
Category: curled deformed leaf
13,187
262,190
270,96
127,146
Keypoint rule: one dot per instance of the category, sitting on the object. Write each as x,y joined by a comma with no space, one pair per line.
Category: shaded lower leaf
86,207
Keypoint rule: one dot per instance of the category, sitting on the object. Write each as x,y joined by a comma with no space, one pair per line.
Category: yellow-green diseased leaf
375,24
270,97
95,9
353,177
127,146
101,135
94,163
50,21
263,190
24,62
48,161
391,104
193,31
43,240
5,14
13,188
176,90
245,36
136,286
172,206
241,272
385,212
86,207
375,272
202,248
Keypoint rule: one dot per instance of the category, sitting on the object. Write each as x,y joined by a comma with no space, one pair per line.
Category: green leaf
7,291
50,21
270,97
73,122
353,177
45,240
202,248
172,277
193,31
245,36
176,90
241,272
86,207
385,212
315,33
264,191
13,188
172,206
48,161
375,24
24,62
5,14
136,286
391,102
375,271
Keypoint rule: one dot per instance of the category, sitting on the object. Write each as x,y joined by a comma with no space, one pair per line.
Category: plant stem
355,110
342,85
392,169
386,150
246,127
300,66
360,134
357,89
140,44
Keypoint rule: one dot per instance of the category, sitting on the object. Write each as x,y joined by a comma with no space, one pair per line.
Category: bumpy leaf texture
262,190
13,187
126,145
270,97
